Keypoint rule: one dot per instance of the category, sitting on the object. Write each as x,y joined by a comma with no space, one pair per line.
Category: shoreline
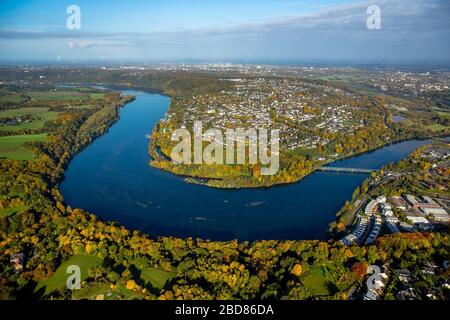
197,180
185,178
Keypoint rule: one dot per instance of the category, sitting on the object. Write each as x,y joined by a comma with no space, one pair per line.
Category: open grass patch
58,281
64,95
103,291
91,292
316,282
26,118
8,212
84,106
13,99
436,127
322,281
96,96
11,147
57,95
156,277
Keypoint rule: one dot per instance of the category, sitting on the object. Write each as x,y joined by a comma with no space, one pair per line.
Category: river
111,178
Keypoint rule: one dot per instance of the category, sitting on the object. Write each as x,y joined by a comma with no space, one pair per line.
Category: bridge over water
346,170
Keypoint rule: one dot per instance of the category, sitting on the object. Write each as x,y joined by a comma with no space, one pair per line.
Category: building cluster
425,208
411,83
302,111
378,281
12,121
397,214
436,153
368,226
376,284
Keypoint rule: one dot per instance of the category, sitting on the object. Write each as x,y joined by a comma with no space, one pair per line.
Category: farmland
7,99
29,114
11,147
27,118
64,95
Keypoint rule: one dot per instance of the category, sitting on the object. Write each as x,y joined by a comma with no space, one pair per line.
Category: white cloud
410,29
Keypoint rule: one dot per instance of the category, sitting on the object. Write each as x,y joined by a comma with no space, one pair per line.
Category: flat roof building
412,200
399,203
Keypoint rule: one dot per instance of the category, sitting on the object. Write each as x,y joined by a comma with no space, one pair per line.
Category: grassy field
8,212
84,106
39,116
316,282
59,278
327,280
97,289
11,146
35,118
156,277
64,95
11,99
96,96
436,127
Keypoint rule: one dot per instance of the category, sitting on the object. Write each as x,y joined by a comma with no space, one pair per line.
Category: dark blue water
378,158
112,179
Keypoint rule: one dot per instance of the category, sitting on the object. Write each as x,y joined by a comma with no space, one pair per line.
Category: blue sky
172,30
145,16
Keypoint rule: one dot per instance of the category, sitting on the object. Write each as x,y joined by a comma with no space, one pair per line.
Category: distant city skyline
236,31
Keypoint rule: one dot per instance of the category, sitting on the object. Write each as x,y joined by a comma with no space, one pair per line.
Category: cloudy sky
231,30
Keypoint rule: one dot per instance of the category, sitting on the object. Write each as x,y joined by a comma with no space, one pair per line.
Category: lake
112,178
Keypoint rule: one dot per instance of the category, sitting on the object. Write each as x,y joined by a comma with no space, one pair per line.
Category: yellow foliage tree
131,285
297,270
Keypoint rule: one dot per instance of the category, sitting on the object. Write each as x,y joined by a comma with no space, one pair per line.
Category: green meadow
316,282
59,279
64,95
11,147
436,127
35,118
11,99
325,280
84,106
156,277
8,212
94,290
39,116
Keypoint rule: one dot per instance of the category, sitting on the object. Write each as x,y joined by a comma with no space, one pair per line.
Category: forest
117,263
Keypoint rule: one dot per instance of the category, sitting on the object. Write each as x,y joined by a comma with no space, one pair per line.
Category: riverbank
112,178
423,174
214,176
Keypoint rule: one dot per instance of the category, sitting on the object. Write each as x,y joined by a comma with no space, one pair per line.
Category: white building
439,214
